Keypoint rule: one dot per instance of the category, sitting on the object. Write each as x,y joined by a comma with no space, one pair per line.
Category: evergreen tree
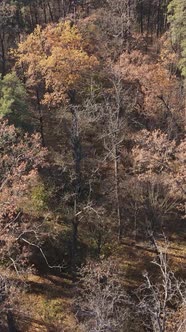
14,101
177,20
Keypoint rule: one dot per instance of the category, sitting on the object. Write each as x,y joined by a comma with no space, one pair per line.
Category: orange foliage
160,88
55,56
157,159
20,160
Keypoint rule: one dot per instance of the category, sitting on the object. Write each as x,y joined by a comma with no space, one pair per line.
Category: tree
21,158
56,66
103,304
55,55
115,21
53,62
33,12
154,166
158,300
113,138
158,101
177,20
151,16
8,30
9,292
13,99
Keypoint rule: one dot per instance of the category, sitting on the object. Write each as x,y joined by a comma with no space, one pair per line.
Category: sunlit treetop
56,57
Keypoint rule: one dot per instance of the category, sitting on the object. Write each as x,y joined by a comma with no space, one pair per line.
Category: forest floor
46,303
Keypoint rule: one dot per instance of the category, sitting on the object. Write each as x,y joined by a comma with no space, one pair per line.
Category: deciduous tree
103,303
21,157
53,62
158,299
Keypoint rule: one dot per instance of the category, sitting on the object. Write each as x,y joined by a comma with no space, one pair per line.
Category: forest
92,166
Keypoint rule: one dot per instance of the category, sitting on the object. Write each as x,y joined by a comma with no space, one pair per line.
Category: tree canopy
56,56
177,19
92,165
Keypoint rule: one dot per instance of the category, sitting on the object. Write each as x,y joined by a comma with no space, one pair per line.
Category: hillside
92,181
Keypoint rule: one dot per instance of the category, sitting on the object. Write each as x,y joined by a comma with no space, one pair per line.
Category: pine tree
177,20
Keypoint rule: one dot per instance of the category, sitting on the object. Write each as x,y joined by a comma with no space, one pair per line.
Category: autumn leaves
54,58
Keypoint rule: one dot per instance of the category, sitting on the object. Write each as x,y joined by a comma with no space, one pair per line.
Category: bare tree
115,130
110,109
116,20
9,292
159,300
103,304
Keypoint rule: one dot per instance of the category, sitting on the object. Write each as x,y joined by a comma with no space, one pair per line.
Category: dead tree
157,298
77,156
113,138
103,303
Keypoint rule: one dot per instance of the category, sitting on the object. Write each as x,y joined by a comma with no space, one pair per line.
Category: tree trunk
3,56
50,11
10,322
148,19
31,17
58,9
64,9
76,148
128,25
99,243
36,16
158,30
141,17
74,239
116,177
40,118
44,11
